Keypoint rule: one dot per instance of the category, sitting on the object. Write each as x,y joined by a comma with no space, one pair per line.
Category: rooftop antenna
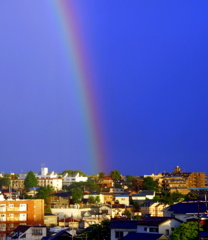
42,164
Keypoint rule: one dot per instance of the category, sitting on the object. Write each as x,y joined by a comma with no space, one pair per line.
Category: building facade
19,212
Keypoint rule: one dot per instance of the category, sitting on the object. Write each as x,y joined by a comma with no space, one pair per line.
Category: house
67,180
117,190
144,236
184,210
94,194
106,182
63,234
119,229
69,222
60,200
155,225
122,199
108,197
143,195
118,210
50,219
28,232
153,209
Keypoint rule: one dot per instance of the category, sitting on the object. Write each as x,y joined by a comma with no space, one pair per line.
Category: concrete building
44,178
19,212
67,180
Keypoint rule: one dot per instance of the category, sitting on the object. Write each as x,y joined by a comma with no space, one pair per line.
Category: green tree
101,175
127,213
5,181
185,231
115,174
91,199
44,193
77,195
85,186
30,180
97,199
97,231
150,184
191,195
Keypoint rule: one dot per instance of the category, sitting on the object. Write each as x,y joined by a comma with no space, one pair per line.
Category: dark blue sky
151,64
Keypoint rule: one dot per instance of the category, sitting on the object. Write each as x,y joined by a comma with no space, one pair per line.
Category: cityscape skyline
101,86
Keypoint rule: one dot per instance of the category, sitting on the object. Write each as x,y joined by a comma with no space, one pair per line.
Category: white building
67,180
44,178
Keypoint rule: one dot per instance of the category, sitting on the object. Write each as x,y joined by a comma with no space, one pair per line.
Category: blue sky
151,64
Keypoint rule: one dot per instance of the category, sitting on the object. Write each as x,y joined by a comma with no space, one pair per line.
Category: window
2,217
37,231
167,232
145,229
172,229
23,207
153,229
118,234
2,227
2,207
11,205
22,217
11,215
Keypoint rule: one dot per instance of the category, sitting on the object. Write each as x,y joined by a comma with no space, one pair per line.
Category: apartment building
182,181
19,212
67,180
44,178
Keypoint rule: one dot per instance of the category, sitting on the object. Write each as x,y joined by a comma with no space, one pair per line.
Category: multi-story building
67,180
175,183
19,212
179,181
44,178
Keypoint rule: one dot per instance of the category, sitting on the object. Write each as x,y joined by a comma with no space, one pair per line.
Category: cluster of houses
26,219
34,224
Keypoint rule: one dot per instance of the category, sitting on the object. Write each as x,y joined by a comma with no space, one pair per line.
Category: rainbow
78,58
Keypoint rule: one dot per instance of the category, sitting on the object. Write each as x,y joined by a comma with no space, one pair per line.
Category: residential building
67,180
120,229
50,219
44,178
153,209
28,232
182,181
20,212
144,236
155,225
184,210
106,182
117,190
122,199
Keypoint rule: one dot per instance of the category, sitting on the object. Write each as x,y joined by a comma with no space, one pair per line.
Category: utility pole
198,220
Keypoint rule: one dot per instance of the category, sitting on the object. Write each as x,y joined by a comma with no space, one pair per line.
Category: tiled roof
142,236
123,224
187,207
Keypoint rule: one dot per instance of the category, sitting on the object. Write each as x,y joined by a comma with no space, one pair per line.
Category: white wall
125,232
